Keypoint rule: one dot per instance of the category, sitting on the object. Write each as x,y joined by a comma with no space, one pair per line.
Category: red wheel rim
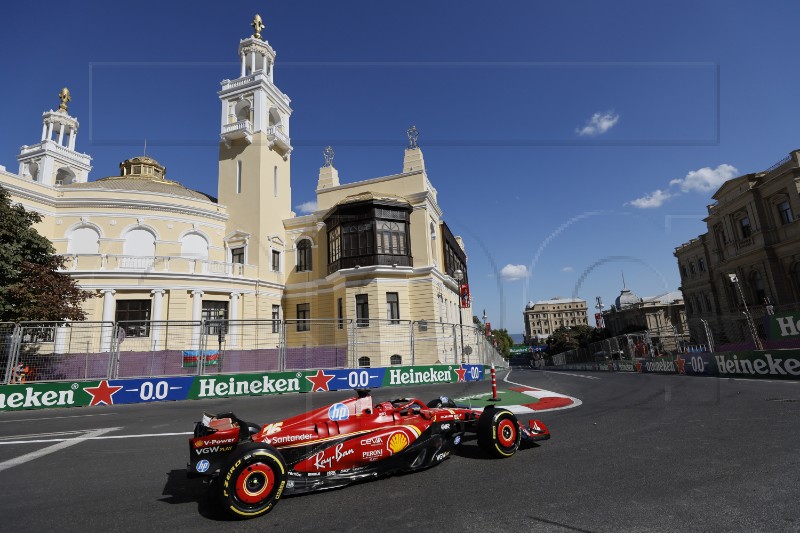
506,433
254,483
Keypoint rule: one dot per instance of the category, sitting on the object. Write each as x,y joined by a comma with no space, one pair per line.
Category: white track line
95,437
51,418
5,465
568,374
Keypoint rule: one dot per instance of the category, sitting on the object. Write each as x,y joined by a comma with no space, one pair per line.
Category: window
785,212
683,271
276,261
744,225
758,287
334,244
304,256
303,315
362,310
396,360
363,362
237,255
391,237
702,264
393,307
238,177
692,268
135,315
276,317
214,313
358,239
708,302
340,313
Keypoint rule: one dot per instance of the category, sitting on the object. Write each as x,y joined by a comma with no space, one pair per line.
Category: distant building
751,249
544,317
662,316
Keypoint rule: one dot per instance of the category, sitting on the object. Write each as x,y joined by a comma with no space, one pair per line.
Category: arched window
139,249
242,110
363,362
396,360
65,176
84,240
304,256
194,245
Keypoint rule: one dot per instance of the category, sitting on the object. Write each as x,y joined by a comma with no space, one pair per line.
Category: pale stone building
153,249
662,316
545,316
751,249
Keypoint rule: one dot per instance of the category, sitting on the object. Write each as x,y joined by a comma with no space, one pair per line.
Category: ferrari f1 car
339,444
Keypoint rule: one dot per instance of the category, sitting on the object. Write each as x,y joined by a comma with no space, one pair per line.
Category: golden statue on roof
65,98
257,25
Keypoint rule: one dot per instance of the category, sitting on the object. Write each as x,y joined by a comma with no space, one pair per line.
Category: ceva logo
338,411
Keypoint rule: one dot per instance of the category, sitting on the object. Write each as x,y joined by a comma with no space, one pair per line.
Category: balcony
240,129
177,266
370,260
279,141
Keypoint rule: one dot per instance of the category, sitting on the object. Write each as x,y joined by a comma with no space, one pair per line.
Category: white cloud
600,123
514,272
706,179
703,180
567,269
307,207
654,199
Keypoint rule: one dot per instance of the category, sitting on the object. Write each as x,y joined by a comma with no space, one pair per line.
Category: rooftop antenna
623,280
145,146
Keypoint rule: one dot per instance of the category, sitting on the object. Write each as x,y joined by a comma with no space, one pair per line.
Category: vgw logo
338,411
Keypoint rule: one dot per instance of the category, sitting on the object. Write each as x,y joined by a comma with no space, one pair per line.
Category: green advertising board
784,326
776,364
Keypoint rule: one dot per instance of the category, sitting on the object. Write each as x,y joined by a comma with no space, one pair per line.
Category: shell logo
397,442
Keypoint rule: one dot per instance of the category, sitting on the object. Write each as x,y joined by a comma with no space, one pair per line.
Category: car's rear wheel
498,432
252,480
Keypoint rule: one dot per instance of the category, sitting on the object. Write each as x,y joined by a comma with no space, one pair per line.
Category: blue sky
569,141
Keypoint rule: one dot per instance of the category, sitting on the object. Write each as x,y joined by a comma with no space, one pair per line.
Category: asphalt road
642,453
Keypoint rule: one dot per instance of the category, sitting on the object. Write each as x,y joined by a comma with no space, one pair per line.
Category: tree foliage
504,341
582,335
31,288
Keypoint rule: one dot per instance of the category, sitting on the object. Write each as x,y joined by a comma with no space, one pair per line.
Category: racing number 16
358,379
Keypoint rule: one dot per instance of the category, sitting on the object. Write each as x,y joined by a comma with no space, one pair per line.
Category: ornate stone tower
254,154
54,160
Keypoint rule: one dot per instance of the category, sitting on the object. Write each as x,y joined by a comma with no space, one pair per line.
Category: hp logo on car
202,466
338,411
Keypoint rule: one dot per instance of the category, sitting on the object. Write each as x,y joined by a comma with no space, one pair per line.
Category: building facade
748,262
376,251
663,317
545,316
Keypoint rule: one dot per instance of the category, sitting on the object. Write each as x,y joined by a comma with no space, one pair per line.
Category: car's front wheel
252,480
498,432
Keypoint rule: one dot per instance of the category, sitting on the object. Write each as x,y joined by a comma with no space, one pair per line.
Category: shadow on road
180,489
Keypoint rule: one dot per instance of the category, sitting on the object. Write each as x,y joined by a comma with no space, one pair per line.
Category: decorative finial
257,25
328,154
413,135
65,98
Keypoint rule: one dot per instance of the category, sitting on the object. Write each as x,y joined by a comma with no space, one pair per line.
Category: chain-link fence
50,351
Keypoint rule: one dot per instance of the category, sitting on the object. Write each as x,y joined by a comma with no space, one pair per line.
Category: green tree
504,341
31,288
478,324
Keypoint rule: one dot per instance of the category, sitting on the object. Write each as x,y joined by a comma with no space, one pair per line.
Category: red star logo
461,371
638,366
103,393
680,361
320,381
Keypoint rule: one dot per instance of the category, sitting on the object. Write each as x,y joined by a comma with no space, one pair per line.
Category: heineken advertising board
775,364
122,391
783,326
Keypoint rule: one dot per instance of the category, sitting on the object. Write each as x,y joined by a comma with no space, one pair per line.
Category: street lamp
458,275
735,280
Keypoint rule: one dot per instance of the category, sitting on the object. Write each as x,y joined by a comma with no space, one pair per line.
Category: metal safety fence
57,351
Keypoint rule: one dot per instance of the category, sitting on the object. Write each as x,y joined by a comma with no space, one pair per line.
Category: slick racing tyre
252,480
498,432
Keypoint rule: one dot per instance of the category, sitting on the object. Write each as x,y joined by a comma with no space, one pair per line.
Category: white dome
626,299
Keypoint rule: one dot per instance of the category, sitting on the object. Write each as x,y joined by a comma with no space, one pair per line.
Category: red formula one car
339,444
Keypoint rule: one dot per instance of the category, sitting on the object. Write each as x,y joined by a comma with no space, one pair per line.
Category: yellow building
376,252
544,317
